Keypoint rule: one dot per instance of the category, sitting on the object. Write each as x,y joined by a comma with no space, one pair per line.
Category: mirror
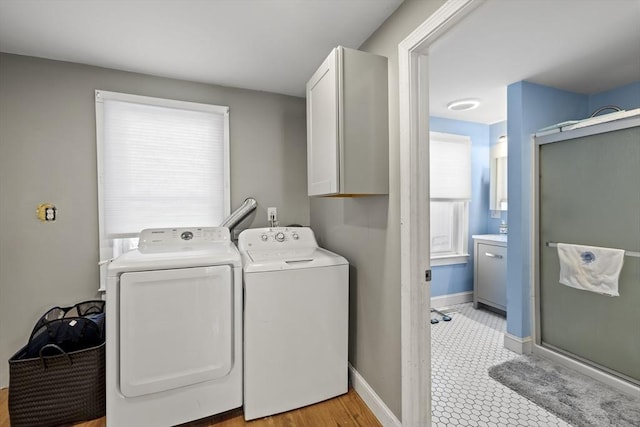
498,181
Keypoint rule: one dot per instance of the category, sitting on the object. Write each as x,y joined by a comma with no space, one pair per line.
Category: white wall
48,154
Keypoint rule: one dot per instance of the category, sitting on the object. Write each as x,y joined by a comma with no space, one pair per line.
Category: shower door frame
537,348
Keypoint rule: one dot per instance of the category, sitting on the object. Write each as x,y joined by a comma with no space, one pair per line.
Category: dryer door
175,328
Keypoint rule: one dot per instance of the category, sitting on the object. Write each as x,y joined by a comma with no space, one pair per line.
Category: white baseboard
587,370
451,299
517,344
372,400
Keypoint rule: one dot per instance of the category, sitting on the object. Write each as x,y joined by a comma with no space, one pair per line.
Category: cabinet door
322,129
492,275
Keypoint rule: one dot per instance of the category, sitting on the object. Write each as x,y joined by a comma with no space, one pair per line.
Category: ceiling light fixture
463,104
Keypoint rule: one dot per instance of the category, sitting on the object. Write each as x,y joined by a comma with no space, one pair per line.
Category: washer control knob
295,236
264,237
279,236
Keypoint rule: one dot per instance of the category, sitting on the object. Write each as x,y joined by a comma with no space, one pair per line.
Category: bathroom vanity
490,271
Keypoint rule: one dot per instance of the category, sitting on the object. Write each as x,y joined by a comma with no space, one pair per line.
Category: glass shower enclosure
588,193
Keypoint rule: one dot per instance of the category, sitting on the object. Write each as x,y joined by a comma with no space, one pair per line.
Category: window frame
461,256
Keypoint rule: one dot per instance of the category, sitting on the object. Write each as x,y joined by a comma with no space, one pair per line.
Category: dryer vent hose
236,217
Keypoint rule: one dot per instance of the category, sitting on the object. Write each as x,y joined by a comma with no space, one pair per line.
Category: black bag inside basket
71,328
70,334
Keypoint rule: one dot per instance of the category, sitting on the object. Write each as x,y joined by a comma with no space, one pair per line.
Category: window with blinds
450,193
161,163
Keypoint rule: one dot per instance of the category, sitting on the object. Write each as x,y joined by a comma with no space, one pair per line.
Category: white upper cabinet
348,125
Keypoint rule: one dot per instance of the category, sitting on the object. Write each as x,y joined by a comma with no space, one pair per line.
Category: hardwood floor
347,410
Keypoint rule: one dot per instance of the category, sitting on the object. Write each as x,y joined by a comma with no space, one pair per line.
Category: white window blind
450,192
450,166
162,165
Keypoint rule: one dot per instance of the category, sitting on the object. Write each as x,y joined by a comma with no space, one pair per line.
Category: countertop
498,238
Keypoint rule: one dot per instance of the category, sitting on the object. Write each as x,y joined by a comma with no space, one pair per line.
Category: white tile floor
463,394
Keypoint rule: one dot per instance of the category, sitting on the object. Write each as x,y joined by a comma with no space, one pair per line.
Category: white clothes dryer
295,320
174,328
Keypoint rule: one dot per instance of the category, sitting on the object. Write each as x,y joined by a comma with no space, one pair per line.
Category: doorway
414,207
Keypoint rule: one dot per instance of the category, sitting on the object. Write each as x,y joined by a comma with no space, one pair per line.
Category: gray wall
48,154
366,231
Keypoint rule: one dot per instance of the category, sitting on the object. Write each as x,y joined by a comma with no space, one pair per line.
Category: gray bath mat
570,395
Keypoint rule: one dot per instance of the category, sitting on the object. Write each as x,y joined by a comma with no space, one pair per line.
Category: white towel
590,268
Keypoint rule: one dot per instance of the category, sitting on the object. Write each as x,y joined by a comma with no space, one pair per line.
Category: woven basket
59,389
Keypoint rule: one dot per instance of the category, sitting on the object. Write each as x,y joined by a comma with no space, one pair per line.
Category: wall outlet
50,214
46,212
496,214
272,214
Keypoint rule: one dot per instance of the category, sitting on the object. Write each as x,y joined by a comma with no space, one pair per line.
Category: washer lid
291,259
204,256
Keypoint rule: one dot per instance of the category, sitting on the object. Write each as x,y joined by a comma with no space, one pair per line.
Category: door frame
415,288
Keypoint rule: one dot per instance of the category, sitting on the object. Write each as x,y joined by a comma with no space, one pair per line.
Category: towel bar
626,253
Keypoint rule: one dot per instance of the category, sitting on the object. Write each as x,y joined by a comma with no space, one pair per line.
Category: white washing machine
174,328
295,320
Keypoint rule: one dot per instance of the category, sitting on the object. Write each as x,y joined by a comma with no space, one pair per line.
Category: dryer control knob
264,237
295,236
280,236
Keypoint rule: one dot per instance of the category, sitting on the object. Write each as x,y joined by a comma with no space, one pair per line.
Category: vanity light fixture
463,104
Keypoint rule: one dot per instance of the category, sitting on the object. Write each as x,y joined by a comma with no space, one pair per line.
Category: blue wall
451,279
529,108
626,97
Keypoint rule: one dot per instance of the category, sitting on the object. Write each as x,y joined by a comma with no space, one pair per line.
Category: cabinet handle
490,255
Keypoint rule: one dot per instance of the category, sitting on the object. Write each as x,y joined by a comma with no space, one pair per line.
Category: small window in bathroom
450,192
